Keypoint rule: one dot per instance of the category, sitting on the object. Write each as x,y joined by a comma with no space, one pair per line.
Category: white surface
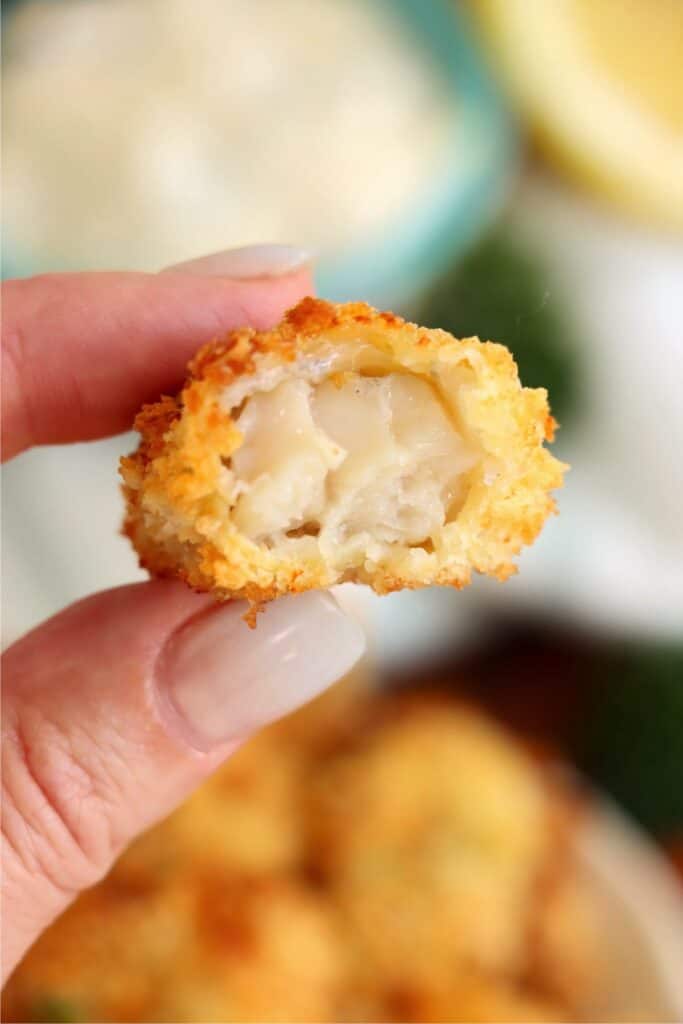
614,557
62,514
639,901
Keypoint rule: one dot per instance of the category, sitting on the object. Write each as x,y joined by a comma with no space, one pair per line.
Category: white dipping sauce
142,132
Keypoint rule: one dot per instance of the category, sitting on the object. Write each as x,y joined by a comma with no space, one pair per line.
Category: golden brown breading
471,997
437,814
246,820
344,444
203,947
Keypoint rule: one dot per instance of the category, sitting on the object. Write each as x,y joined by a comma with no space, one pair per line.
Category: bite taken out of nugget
342,445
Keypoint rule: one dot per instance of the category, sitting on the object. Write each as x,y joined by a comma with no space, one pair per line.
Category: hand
115,709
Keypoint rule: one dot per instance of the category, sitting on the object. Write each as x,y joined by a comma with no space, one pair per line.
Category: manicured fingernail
223,680
249,263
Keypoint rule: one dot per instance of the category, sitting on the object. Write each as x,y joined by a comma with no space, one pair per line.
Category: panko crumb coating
435,813
344,444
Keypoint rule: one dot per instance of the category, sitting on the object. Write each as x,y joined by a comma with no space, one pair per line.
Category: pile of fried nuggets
372,858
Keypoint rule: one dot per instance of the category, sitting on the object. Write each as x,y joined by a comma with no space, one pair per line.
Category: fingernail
221,680
249,263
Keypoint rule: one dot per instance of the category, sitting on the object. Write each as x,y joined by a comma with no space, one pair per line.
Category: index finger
83,352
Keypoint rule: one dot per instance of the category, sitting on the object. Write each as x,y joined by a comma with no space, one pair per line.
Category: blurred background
506,168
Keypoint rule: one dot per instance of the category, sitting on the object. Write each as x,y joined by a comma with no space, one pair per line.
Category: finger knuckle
55,814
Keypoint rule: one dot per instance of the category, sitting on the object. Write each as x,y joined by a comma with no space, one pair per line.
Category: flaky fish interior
345,444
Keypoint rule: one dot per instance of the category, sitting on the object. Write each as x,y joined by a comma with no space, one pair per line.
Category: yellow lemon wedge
601,82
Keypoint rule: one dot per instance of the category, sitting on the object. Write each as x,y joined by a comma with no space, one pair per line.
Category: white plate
639,902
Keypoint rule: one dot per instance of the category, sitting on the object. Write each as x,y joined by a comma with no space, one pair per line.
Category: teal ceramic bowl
479,162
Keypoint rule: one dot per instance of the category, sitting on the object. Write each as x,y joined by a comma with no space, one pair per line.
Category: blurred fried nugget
246,819
343,445
473,998
432,834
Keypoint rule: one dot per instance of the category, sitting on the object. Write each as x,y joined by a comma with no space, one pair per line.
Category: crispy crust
180,525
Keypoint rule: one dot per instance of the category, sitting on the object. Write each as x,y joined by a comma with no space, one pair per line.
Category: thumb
114,710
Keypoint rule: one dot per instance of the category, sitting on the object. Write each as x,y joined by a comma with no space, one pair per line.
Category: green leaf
632,739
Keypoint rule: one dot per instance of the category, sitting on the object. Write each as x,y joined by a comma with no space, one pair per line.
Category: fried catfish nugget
432,834
344,444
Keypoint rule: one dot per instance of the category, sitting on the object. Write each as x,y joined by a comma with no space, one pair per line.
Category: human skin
119,706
